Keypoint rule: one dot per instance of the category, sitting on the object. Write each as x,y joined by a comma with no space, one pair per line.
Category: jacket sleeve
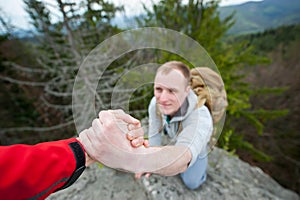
196,132
36,171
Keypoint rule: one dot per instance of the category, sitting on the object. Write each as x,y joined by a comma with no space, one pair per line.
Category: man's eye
158,89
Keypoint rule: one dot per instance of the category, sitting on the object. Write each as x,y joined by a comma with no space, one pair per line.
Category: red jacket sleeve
36,171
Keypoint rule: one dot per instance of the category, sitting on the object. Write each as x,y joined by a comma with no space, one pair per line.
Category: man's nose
164,96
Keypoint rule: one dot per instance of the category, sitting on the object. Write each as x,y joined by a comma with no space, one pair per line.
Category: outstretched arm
35,171
166,160
109,132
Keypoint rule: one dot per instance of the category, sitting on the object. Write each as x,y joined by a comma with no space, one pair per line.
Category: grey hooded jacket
197,127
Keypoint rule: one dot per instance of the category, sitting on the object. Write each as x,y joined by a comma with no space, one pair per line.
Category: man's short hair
171,65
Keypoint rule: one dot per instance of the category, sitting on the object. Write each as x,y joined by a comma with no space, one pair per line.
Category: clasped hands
114,139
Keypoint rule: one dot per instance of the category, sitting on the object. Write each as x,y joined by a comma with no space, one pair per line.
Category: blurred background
255,45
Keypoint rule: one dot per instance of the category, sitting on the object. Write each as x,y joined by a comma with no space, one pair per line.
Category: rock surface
228,178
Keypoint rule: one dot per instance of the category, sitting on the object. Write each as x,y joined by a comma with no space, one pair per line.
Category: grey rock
102,183
228,178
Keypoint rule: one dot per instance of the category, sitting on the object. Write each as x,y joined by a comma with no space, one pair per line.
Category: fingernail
130,127
134,143
129,136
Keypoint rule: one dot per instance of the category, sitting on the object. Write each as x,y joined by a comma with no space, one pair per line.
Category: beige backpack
209,87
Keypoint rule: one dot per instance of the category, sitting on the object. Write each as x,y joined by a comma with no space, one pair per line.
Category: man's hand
106,141
135,132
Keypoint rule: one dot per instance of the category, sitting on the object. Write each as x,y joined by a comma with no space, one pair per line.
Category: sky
14,9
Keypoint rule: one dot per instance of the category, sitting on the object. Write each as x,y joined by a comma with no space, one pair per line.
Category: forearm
38,170
166,160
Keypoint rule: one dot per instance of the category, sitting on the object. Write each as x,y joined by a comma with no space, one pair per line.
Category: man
173,112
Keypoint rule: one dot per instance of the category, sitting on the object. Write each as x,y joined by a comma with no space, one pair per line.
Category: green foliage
100,165
270,39
231,141
240,143
225,140
17,108
65,34
62,44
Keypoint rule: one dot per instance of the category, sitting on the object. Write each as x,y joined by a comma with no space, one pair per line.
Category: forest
260,72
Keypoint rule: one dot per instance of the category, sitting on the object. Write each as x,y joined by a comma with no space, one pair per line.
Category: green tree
17,108
62,37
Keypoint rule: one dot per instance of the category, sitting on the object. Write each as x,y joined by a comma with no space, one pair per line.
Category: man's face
170,91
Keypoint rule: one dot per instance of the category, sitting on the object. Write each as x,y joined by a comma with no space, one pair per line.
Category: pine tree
62,37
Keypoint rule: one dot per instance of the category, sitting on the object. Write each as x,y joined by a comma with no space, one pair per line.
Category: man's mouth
165,104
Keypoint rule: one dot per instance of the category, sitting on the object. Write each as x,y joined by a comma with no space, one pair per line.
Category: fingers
106,117
121,115
110,122
137,142
139,175
148,175
136,136
146,143
135,133
125,122
97,126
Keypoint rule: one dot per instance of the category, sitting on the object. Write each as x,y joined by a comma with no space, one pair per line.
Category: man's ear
188,88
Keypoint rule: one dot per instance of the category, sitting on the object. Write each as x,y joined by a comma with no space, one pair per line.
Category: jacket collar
186,108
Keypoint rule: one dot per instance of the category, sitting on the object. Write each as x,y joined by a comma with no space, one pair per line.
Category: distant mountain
254,17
